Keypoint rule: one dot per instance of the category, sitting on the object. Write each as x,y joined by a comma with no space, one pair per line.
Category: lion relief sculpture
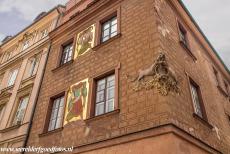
158,76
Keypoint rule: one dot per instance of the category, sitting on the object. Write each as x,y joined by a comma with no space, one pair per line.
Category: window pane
100,96
106,25
110,105
110,93
12,78
114,29
20,110
106,33
99,108
51,125
105,38
114,21
101,85
111,81
58,123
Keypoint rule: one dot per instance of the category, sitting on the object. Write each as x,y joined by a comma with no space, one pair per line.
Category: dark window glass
67,53
105,93
56,117
109,29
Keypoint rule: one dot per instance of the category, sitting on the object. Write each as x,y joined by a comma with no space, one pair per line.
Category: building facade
130,76
22,63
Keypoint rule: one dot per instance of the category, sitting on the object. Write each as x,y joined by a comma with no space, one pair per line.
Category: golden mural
85,40
76,102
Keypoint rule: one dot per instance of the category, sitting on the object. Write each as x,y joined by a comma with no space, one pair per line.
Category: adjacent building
22,63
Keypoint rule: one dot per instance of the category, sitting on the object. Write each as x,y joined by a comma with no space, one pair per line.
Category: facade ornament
158,76
85,40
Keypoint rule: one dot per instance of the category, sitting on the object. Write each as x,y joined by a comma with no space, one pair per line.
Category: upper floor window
105,94
25,44
67,53
109,29
19,115
44,33
56,117
216,76
183,35
6,56
1,78
12,77
197,100
32,66
1,111
226,87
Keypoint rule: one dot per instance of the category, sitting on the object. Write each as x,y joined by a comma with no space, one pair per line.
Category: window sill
50,132
28,78
222,91
10,128
106,42
204,121
62,66
188,51
103,115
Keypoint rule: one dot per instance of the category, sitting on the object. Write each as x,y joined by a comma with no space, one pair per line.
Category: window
21,110
226,87
216,76
197,100
183,35
6,56
56,117
109,29
1,78
105,94
1,111
25,44
12,77
44,33
32,66
67,53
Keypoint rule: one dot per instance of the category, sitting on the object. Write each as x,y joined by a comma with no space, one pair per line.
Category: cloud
28,9
212,18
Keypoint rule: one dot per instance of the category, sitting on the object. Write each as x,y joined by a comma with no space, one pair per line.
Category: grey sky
211,15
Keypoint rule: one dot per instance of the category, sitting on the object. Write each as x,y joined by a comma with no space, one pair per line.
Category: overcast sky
213,16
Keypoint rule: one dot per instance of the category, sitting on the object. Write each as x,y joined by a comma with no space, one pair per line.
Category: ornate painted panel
76,102
85,40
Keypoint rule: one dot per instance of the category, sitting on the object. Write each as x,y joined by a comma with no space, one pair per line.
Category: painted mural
76,105
85,40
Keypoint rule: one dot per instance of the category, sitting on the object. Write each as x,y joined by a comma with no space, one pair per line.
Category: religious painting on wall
76,103
85,40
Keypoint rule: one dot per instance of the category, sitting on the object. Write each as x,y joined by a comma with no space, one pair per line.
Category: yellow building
22,62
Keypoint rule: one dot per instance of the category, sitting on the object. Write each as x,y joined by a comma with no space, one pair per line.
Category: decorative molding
158,76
